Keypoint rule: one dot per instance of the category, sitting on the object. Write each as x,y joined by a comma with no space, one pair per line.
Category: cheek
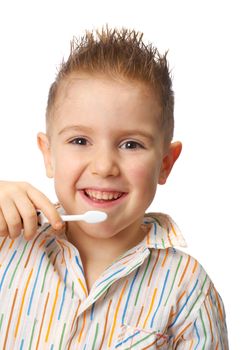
66,169
64,158
144,174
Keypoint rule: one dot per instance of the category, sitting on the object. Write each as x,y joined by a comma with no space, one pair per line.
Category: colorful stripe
152,297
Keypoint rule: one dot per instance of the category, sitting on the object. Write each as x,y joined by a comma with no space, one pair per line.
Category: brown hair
120,53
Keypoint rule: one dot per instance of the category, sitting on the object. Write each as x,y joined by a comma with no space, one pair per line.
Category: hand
18,203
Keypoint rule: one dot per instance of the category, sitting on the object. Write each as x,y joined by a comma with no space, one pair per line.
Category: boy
119,284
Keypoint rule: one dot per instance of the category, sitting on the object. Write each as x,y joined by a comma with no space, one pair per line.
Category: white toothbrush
91,217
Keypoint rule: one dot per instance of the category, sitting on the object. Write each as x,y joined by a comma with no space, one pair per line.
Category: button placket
98,289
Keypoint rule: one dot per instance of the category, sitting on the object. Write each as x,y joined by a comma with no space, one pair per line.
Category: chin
99,231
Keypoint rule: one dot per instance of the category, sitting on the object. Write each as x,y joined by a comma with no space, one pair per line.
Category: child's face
106,150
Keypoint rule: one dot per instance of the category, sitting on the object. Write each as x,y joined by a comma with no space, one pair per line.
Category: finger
12,218
41,202
3,226
28,214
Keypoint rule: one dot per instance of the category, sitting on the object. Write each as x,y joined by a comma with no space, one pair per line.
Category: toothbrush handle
72,217
42,219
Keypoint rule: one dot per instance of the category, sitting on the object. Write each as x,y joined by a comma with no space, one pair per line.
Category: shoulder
188,268
197,306
191,286
189,277
185,271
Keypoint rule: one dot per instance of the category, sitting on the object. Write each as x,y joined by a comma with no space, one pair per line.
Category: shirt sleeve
206,328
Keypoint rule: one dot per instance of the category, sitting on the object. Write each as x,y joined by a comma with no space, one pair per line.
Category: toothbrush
91,217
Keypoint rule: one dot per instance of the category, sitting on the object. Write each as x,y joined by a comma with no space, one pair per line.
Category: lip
101,205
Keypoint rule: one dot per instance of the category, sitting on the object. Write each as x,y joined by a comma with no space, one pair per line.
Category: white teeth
103,195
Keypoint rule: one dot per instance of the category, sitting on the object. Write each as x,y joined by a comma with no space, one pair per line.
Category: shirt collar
163,232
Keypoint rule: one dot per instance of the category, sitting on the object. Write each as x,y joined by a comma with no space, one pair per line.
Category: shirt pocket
130,337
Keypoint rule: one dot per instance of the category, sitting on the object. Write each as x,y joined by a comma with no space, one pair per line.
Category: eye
81,141
131,145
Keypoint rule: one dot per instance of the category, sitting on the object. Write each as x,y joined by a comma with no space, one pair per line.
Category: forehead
95,96
88,84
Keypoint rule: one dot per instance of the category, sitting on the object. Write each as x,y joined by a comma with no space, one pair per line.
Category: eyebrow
75,128
85,129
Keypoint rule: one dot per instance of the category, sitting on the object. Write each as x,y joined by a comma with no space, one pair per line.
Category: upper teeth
103,195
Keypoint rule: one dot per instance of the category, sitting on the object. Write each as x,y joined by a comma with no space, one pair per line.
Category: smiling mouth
100,196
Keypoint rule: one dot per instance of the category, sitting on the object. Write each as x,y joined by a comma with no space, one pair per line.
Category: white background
209,191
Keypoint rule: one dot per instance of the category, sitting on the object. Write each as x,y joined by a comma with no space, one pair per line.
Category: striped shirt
152,297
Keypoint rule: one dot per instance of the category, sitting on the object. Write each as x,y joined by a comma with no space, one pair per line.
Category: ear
170,157
44,146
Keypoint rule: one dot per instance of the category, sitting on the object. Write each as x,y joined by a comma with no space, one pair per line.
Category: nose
104,163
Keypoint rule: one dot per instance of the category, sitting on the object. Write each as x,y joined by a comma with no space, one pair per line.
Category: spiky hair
119,53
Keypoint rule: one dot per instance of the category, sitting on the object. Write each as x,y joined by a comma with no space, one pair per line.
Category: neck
98,253
103,251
